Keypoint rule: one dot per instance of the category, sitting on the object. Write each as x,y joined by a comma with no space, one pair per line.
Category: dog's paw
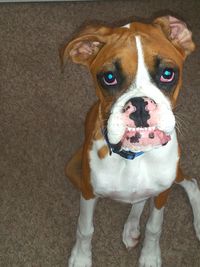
80,258
130,235
150,258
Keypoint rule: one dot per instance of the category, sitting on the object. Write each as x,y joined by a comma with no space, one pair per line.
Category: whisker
182,119
181,124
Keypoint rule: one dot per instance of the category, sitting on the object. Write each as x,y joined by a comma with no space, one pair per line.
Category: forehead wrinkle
113,49
125,52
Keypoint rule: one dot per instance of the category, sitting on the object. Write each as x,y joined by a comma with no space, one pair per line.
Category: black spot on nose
140,116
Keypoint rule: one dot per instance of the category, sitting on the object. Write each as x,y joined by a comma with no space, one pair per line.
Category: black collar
123,153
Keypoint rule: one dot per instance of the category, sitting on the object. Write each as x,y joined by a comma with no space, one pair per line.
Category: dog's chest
133,180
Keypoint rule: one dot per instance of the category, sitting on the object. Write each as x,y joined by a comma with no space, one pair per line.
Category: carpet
42,113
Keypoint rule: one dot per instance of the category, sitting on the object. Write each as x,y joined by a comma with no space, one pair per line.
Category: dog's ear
177,32
84,48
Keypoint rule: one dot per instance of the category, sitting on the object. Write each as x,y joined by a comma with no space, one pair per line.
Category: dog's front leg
131,231
81,255
150,254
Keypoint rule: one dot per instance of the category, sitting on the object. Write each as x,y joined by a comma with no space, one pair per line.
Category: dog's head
137,71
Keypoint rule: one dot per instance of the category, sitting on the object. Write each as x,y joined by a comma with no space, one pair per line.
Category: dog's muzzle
141,117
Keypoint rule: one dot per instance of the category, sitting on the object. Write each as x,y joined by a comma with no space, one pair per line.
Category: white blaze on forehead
143,85
142,76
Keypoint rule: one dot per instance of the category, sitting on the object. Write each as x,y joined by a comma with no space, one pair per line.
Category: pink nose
151,104
138,110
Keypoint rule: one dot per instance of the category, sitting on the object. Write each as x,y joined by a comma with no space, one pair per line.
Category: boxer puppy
131,152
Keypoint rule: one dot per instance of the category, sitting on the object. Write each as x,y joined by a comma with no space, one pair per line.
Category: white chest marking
133,180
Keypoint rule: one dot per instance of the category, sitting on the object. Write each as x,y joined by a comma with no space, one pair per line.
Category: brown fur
102,153
161,199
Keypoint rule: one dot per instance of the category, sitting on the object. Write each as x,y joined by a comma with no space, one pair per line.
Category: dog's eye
167,75
109,78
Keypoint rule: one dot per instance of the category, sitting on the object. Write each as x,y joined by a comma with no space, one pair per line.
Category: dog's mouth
137,139
142,125
141,139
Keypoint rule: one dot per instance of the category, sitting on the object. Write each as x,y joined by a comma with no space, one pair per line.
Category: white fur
134,180
142,76
150,254
126,26
81,255
131,231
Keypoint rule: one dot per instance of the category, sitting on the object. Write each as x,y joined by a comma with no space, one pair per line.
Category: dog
131,153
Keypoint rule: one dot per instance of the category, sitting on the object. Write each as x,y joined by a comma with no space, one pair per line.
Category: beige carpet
41,123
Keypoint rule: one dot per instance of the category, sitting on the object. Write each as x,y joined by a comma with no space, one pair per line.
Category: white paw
150,258
80,258
130,235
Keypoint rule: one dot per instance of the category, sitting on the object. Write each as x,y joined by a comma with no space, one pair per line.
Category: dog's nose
140,110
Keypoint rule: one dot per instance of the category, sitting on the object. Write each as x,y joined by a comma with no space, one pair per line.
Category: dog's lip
143,138
144,131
